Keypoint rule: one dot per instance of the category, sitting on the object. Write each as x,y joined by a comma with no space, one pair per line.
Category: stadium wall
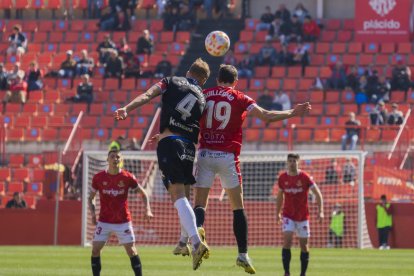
35,227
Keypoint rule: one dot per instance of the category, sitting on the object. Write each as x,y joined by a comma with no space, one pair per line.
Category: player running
183,103
220,145
113,185
293,192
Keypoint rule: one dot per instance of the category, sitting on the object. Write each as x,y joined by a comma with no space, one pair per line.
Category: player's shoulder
127,174
100,174
283,174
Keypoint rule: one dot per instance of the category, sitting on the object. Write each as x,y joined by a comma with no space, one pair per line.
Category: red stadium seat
272,84
382,60
35,188
5,174
278,72
35,160
305,84
183,37
257,84
6,4
404,48
388,48
270,135
49,134
252,135
21,4
323,48
366,59
16,160
135,133
355,47
20,174
371,48
77,25
32,134
261,71
115,133
2,188
124,124
349,59
397,96
388,135
338,48
22,121
344,36
246,36
332,24
140,122
303,135
321,135
294,72
15,134
289,84
328,36
373,135
310,120
15,186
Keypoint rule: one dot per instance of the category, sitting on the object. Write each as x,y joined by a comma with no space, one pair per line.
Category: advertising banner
382,20
396,184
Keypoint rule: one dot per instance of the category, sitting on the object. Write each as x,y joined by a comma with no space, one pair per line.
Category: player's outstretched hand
279,218
120,114
321,216
302,109
148,215
154,139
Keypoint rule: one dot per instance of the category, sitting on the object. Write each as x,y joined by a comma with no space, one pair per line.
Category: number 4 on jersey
186,105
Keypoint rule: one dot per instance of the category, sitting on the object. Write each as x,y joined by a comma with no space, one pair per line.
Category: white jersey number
221,112
186,105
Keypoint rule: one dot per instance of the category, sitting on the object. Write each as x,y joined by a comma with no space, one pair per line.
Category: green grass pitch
158,261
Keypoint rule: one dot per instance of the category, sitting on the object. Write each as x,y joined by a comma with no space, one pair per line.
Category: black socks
240,229
136,265
304,260
199,214
286,256
96,265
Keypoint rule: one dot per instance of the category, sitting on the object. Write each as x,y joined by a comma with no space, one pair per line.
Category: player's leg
183,247
134,258
303,231
200,203
101,235
304,255
287,244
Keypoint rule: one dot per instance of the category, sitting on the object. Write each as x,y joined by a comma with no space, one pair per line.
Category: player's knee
96,252
132,251
287,243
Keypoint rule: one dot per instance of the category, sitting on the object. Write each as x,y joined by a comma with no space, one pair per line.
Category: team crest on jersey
104,183
299,183
121,184
286,183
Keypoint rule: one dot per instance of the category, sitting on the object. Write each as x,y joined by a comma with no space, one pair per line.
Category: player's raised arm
148,212
279,203
273,116
91,205
122,113
315,190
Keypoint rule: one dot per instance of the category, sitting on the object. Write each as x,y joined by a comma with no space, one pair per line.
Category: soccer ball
217,43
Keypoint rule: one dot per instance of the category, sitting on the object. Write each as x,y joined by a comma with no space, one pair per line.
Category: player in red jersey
220,145
294,186
113,185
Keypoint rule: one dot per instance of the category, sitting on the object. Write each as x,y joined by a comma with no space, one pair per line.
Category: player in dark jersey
220,145
182,106
294,186
113,186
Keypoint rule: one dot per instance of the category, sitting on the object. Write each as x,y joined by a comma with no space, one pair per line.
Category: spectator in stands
333,173
281,101
132,6
395,117
163,68
145,44
265,20
379,115
311,30
379,91
401,77
123,48
285,32
384,222
114,66
94,8
222,8
132,65
283,13
285,57
68,66
85,64
301,12
17,202
17,41
84,91
352,132
17,92
265,100
12,75
104,47
336,227
352,79
3,77
229,58
122,143
246,66
273,32
267,54
34,77
338,76
171,19
300,56
296,28
349,172
121,21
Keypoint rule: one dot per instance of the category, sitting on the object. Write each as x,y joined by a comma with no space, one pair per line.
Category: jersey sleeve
248,103
132,181
163,84
95,185
308,180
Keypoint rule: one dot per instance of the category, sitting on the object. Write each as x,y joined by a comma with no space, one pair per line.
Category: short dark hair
227,73
115,150
294,156
383,197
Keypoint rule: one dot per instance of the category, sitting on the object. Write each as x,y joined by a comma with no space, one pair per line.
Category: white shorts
224,164
123,231
300,227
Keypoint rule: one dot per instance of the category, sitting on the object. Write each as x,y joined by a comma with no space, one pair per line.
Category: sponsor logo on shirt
293,190
299,183
113,192
104,183
177,124
121,184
